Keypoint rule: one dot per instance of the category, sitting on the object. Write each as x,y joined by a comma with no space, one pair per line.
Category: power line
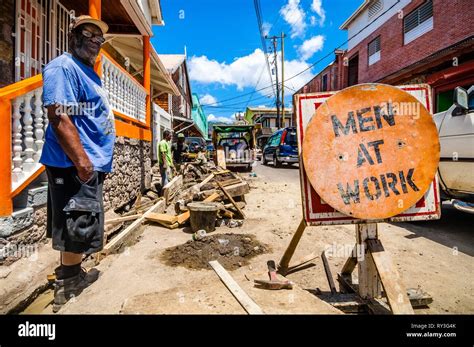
258,13
316,62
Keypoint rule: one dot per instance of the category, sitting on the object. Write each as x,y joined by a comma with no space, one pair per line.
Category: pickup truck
237,144
456,135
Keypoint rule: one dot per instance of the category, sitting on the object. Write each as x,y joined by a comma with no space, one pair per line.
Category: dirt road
436,255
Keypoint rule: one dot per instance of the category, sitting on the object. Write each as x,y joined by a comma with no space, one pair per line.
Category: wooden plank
238,189
122,219
419,298
230,182
290,250
242,297
167,225
221,172
350,264
204,181
220,157
391,281
183,217
162,218
231,199
121,238
369,283
327,269
226,214
170,190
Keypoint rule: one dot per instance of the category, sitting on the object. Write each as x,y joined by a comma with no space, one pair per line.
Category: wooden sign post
370,152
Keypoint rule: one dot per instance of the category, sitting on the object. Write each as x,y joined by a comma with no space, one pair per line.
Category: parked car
196,144
456,135
281,147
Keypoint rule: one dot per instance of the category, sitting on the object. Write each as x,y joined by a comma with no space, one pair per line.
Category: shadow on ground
454,229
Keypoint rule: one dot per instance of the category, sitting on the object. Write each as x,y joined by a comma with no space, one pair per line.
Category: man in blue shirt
77,153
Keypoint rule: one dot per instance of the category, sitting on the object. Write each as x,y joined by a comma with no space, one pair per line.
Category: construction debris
203,181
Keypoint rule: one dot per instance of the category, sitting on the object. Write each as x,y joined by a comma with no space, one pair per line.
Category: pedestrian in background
165,159
179,148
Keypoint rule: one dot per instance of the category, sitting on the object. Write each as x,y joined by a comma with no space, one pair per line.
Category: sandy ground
436,255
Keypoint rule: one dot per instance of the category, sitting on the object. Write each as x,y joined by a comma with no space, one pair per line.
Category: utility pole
278,122
280,115
283,79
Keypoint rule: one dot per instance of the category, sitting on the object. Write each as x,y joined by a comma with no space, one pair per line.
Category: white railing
29,122
125,94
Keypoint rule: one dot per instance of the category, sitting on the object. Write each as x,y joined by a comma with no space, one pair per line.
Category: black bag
83,211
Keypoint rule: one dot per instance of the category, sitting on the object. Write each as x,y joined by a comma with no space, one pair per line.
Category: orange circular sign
371,151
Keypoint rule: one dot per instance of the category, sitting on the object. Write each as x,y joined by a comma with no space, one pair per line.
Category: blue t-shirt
78,89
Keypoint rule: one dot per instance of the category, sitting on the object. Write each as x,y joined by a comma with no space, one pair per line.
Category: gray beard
84,56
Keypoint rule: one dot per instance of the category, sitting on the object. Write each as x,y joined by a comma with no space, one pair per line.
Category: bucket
203,215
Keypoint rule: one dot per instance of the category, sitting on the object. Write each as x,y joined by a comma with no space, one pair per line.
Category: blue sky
225,58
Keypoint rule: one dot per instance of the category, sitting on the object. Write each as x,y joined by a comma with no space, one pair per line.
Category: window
374,50
325,83
275,140
418,22
375,8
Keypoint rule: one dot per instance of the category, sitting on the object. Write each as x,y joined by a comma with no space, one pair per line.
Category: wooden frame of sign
377,274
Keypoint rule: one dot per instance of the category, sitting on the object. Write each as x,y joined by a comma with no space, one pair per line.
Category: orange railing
23,123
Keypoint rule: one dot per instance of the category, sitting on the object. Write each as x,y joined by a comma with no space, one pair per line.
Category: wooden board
231,199
121,238
170,190
220,157
238,189
390,277
122,219
162,218
353,145
246,301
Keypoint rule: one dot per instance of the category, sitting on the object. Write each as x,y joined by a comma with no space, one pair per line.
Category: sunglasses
98,38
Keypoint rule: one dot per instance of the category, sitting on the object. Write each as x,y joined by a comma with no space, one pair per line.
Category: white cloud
311,46
317,7
266,27
243,71
219,119
294,15
208,99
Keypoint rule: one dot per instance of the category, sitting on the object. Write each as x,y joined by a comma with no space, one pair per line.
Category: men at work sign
371,151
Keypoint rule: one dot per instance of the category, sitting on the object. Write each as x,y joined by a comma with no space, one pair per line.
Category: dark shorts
75,211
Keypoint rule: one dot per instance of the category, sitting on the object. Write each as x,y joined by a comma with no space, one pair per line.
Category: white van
456,135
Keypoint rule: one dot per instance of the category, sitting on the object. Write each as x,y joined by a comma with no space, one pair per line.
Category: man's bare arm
70,142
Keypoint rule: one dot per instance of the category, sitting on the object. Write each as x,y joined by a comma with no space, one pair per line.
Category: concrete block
19,220
38,196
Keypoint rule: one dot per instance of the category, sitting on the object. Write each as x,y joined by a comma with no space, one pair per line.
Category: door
266,149
272,145
353,70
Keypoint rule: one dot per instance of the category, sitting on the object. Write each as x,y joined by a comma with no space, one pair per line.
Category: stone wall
26,227
131,172
7,42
